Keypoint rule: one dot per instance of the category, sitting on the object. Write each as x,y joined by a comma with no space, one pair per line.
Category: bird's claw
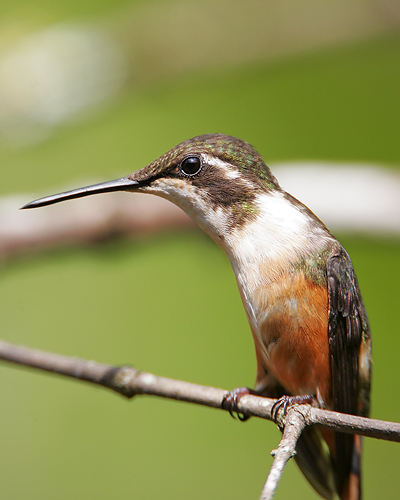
231,399
285,402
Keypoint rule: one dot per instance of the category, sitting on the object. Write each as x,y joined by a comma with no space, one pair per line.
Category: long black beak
123,184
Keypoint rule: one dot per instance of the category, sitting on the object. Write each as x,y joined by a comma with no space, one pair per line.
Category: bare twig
295,421
351,424
130,382
127,380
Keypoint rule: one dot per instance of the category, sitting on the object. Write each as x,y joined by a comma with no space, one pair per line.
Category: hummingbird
297,284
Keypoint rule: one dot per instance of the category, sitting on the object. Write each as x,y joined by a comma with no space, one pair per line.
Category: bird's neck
282,233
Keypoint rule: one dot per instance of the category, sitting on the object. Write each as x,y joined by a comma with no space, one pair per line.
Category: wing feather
348,329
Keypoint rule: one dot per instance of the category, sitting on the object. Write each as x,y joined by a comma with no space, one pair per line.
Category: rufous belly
291,336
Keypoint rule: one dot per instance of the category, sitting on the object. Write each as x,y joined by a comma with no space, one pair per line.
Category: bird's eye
191,165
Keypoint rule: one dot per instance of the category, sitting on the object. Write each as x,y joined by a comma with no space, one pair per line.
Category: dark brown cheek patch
235,197
223,192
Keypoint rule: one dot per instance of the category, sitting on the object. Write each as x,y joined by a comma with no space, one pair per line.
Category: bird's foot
231,399
285,402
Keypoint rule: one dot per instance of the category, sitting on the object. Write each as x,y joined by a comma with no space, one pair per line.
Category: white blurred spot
50,76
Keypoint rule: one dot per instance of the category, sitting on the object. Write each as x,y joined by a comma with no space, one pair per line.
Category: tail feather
319,459
315,463
352,487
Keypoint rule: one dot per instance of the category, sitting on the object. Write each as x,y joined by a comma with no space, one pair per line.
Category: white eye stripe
229,171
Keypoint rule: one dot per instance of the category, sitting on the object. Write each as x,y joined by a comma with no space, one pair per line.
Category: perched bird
297,285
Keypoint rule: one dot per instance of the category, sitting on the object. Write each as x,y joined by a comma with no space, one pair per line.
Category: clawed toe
231,399
282,402
285,402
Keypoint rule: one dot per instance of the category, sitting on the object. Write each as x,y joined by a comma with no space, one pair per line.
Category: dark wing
349,343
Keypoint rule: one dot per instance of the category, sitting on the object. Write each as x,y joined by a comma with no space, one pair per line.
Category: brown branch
125,380
130,382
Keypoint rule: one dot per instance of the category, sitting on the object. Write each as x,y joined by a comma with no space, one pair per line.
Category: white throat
281,235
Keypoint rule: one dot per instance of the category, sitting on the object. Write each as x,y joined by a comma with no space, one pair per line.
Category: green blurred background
318,82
